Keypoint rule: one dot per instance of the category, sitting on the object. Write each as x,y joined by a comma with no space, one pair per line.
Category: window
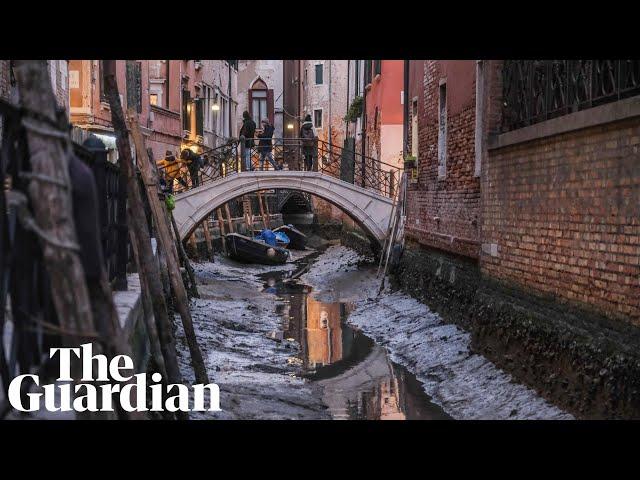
159,82
260,102
479,143
103,93
442,131
317,118
134,85
367,72
259,106
357,75
414,127
377,67
319,74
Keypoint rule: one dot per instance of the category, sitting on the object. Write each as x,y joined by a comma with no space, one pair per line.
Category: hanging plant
410,162
355,109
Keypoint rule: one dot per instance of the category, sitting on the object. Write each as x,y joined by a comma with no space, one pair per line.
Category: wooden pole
229,219
50,148
265,218
207,237
147,266
221,228
166,242
182,255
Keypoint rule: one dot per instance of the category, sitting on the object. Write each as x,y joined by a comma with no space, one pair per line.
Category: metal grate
538,90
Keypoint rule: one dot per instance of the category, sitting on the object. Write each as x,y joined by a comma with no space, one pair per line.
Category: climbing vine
355,109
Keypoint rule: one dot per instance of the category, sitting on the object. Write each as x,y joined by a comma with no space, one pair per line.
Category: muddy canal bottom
359,380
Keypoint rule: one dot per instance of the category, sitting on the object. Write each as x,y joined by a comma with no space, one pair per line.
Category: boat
297,239
248,250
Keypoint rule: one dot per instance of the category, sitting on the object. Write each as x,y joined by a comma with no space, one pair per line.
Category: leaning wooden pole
147,265
50,193
166,244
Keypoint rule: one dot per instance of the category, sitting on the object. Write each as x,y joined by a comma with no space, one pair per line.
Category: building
523,218
324,92
180,103
260,92
58,71
443,197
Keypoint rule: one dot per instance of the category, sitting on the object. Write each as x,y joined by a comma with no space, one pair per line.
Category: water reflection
359,379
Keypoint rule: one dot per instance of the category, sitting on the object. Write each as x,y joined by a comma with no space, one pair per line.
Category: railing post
118,271
243,147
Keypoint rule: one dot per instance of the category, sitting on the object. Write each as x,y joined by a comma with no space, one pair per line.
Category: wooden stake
147,266
166,242
229,219
265,217
207,237
221,228
53,212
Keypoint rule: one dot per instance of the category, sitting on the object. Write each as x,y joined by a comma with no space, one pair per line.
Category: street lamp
289,126
215,107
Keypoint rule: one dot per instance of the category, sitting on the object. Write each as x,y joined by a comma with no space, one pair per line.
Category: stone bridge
368,208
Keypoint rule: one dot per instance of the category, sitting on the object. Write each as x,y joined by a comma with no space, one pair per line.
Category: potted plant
409,162
355,109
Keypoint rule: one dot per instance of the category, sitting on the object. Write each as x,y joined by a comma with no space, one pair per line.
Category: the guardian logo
132,395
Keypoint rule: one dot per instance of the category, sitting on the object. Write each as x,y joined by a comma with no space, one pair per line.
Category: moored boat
297,239
248,250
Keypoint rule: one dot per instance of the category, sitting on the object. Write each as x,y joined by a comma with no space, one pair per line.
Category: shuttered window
134,85
199,106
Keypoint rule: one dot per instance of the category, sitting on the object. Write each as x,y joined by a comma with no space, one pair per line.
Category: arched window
260,102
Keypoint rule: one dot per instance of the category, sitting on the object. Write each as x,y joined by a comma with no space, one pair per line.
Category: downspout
346,122
405,124
229,93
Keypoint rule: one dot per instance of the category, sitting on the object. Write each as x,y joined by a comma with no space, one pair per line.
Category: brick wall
563,216
444,212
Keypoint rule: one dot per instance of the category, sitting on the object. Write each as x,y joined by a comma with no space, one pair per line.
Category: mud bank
583,362
257,373
465,384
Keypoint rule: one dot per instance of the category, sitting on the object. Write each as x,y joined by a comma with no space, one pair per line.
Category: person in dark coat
309,140
247,131
194,163
265,147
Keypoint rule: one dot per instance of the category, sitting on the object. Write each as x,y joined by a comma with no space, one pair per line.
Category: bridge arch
369,209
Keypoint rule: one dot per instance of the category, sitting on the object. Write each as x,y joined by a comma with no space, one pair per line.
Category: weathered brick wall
561,216
444,212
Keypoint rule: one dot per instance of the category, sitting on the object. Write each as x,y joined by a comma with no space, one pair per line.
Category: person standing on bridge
309,143
264,145
247,131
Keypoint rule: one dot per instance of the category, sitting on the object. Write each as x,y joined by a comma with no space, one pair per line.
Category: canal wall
580,360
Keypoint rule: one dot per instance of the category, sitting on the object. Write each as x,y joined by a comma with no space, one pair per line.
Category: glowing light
289,126
215,107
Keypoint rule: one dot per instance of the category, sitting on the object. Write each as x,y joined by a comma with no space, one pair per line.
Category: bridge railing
287,153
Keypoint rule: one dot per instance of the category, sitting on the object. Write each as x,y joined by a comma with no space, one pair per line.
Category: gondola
297,239
248,250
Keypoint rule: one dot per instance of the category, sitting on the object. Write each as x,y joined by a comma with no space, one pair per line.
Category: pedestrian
309,140
171,170
194,163
265,147
247,131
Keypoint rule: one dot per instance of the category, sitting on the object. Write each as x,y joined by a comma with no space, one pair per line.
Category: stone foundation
581,361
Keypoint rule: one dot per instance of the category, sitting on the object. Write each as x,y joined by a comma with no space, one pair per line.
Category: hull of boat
247,250
297,239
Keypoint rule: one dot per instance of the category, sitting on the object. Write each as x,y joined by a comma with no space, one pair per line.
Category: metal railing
287,153
537,90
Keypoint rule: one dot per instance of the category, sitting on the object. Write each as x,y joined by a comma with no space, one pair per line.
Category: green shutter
199,106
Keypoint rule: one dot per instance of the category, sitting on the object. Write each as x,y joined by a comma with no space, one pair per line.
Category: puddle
359,379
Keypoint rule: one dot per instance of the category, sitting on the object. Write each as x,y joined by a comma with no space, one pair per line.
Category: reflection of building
324,333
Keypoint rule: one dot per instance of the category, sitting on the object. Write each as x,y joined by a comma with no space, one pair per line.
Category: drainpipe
405,124
346,123
330,117
229,92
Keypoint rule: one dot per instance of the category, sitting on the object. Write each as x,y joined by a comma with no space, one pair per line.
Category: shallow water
358,378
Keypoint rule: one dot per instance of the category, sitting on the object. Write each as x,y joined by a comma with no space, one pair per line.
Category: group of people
265,147
173,170
190,163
